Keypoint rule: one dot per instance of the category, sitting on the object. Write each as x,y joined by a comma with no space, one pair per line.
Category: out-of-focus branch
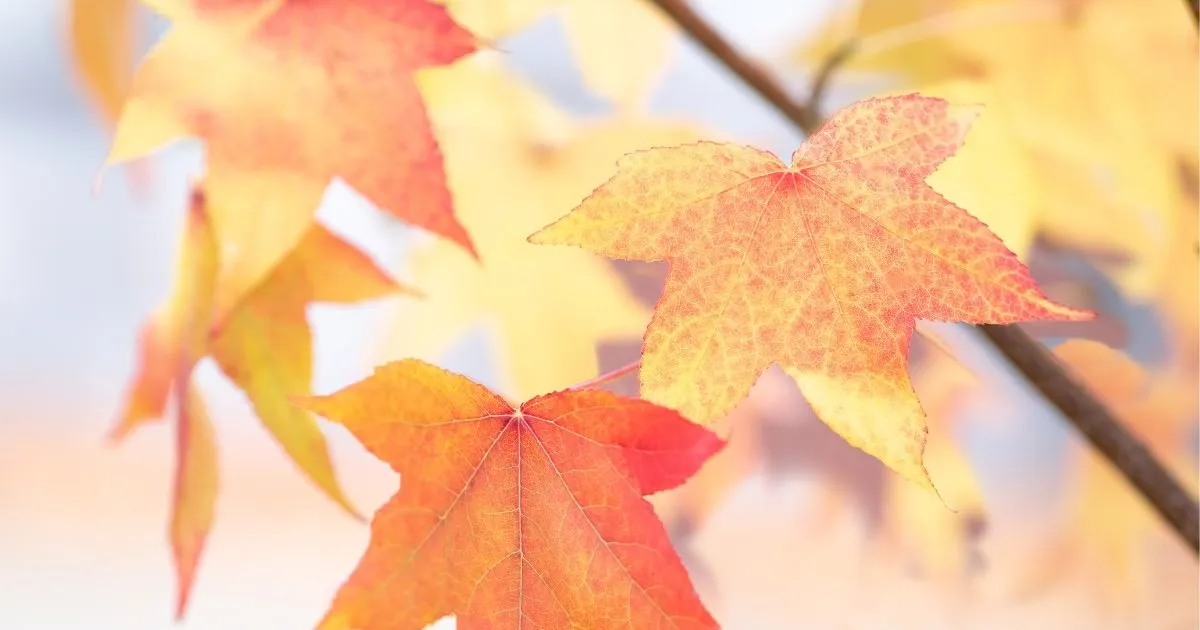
748,71
1076,404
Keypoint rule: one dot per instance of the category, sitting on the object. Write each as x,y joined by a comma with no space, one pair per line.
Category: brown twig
747,70
1076,403
1100,427
824,74
1194,6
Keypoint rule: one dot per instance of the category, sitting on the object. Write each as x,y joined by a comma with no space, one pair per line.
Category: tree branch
1097,424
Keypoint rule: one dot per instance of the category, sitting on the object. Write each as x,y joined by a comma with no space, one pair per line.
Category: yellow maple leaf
941,540
908,39
1101,93
622,46
264,346
1073,98
992,175
101,41
513,161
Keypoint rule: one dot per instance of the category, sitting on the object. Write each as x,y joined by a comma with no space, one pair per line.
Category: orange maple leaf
528,517
822,267
264,346
287,96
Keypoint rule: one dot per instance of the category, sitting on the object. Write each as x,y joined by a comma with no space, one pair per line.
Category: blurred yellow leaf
908,38
513,162
1156,45
622,46
1072,96
940,540
1111,520
264,346
1098,99
1180,298
102,49
991,175
102,40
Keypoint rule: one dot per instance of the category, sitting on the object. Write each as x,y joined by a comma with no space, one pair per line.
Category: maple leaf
1110,520
1100,96
287,96
101,43
941,537
513,160
623,74
264,346
991,176
527,517
1072,95
822,267
905,38
194,495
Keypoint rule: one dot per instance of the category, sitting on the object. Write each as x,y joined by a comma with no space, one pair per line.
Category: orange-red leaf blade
508,518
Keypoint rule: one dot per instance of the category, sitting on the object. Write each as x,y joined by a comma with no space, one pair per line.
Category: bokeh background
791,529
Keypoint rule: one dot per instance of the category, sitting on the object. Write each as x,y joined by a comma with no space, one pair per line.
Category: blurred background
789,527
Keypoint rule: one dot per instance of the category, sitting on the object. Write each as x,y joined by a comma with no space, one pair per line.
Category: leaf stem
1076,404
611,375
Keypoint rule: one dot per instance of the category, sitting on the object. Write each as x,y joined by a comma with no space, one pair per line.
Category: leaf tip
187,558
116,435
550,235
539,237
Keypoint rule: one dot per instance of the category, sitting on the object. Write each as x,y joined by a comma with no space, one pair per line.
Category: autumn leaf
287,96
905,38
1100,95
1157,42
506,518
1072,96
623,74
195,492
941,538
264,346
513,160
992,176
176,336
1111,521
101,41
822,267
101,44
